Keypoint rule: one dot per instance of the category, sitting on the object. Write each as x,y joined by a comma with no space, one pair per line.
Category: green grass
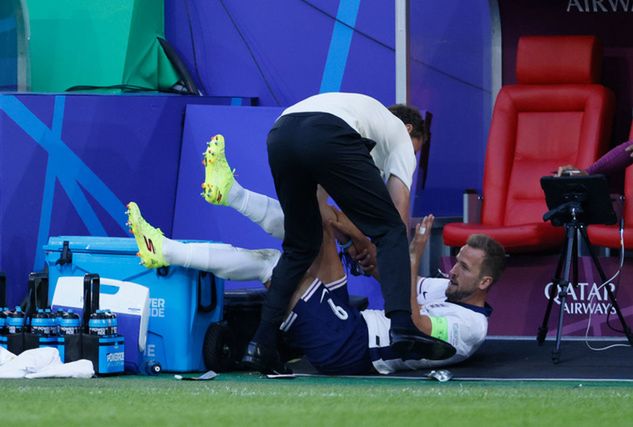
247,399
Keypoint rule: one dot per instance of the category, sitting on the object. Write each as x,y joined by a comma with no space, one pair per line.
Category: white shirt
466,327
393,153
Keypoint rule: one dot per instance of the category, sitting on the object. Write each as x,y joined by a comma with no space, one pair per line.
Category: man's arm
416,249
362,250
399,193
616,160
327,267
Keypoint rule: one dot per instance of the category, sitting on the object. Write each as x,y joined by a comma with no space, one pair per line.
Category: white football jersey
462,325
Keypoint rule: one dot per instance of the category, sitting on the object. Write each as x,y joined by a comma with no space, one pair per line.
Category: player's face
465,276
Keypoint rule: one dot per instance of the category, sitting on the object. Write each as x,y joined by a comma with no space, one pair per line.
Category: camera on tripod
580,198
575,202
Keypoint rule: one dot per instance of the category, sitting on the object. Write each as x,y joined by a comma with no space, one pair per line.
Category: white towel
5,356
79,369
30,361
43,363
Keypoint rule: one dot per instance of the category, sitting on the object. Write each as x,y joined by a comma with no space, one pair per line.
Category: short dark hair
494,255
409,116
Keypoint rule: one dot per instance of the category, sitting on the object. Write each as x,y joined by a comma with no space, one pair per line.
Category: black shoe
264,360
412,344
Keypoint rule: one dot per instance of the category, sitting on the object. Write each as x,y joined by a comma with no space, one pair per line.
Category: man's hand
362,250
422,235
366,258
570,170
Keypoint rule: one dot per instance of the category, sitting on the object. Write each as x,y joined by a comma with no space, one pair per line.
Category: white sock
260,209
223,260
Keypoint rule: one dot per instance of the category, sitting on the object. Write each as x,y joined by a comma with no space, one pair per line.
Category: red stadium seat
556,114
608,236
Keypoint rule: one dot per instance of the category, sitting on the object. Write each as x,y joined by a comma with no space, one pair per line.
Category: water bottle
41,323
15,321
59,314
3,320
114,325
98,324
52,321
112,329
69,324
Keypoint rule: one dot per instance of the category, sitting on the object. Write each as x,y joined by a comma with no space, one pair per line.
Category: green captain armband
439,328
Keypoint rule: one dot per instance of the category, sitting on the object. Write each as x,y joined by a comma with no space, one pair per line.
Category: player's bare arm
416,250
400,195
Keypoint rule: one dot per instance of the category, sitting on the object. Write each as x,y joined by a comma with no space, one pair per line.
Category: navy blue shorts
331,333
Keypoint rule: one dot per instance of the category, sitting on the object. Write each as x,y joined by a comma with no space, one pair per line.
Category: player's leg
223,260
328,267
221,188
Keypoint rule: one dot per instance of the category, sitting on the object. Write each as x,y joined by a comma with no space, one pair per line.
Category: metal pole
402,51
496,50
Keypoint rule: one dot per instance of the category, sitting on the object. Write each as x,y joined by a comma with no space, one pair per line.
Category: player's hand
362,250
366,258
422,235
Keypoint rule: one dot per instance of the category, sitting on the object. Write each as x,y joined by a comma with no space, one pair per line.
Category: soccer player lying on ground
452,309
338,339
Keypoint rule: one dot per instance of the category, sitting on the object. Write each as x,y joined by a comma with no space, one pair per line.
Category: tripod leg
542,330
571,260
562,295
603,277
576,252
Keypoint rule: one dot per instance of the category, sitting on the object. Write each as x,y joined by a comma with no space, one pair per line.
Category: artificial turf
248,399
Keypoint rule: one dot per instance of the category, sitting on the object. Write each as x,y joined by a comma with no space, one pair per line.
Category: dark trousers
306,149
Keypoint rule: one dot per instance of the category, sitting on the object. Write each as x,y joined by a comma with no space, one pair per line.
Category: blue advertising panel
70,163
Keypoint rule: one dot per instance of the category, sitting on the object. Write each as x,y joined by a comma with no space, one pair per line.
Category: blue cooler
182,304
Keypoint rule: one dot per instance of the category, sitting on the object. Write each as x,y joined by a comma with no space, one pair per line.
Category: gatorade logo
149,244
